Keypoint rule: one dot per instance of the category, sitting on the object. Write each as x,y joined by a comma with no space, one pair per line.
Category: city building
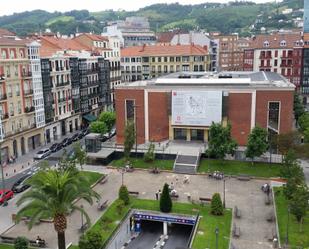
231,49
182,106
22,115
305,68
109,48
145,62
134,31
278,52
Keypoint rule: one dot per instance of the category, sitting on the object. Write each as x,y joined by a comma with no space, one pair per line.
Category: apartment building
133,31
145,62
22,116
278,52
231,49
109,48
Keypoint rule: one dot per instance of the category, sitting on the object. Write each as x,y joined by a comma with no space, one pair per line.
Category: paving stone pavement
246,195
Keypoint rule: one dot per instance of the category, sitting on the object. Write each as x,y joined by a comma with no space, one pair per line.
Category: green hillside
243,17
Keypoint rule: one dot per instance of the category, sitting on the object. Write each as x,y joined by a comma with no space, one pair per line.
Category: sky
8,7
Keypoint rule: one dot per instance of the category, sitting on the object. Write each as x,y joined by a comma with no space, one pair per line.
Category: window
273,115
283,43
266,44
130,109
276,63
172,59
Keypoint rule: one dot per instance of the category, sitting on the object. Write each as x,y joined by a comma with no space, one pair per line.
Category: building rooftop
163,50
222,80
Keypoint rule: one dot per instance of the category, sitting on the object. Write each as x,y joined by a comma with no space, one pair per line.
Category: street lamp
135,114
287,228
223,192
217,233
82,218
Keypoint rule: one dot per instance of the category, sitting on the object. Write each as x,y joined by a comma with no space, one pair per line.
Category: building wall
286,108
240,120
120,96
158,120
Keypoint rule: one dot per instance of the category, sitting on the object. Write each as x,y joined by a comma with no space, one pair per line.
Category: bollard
14,170
22,166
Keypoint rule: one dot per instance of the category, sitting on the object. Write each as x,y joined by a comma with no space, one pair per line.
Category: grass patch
139,163
239,168
205,237
296,238
4,246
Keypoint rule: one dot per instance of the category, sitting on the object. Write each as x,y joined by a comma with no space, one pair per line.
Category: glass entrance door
180,134
197,135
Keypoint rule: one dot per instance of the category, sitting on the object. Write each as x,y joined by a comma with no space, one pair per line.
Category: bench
8,240
267,200
136,193
103,205
104,180
204,200
270,217
236,231
40,243
84,227
176,196
272,234
244,178
237,212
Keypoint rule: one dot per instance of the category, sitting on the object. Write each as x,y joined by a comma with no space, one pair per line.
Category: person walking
157,195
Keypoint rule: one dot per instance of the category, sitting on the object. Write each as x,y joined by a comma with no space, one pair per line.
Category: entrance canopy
89,117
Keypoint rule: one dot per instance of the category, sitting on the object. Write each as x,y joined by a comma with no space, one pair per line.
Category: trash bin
275,243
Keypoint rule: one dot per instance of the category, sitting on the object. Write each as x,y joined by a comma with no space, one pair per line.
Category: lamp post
223,192
217,233
2,172
82,218
135,127
287,228
122,173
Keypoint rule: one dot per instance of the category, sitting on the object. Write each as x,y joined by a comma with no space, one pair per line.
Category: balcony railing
4,116
93,70
2,77
29,109
3,97
26,74
60,100
60,84
28,92
93,83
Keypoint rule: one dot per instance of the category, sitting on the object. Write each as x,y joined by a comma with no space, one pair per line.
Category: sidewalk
26,161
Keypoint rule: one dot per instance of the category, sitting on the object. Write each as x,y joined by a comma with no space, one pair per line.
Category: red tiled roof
5,32
95,37
4,41
155,50
275,39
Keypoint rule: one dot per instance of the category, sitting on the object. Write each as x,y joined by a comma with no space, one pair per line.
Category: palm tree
52,195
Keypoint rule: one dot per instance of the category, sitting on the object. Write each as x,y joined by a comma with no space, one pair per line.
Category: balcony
4,116
28,92
3,97
29,109
61,84
26,74
2,78
93,83
286,65
61,100
265,56
287,56
93,70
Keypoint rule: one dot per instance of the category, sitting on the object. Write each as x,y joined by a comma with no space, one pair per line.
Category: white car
42,154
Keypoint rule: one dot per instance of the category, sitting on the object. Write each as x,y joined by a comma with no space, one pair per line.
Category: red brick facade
239,116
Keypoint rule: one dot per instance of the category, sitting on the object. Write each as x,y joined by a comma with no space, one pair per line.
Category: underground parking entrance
152,230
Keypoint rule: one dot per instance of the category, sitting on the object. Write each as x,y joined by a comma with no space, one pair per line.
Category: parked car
113,132
5,195
85,131
80,135
65,142
21,184
75,137
104,138
55,147
42,154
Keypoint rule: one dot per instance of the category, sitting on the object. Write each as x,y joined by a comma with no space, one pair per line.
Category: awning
90,117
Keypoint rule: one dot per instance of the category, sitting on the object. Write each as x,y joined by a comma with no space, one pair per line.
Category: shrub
123,194
120,207
165,200
149,156
216,205
92,240
21,243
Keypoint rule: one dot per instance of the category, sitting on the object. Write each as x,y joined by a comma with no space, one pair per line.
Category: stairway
185,164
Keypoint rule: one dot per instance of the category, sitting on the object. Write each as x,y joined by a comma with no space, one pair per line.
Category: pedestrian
157,195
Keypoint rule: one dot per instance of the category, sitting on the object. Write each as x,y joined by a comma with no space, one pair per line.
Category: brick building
182,106
279,52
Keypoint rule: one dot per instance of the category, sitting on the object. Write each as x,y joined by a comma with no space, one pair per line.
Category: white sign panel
196,108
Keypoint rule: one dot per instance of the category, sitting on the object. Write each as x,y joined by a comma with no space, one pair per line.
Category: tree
80,155
216,206
285,141
109,119
165,200
91,240
298,107
149,156
66,163
303,121
123,194
21,243
291,168
129,139
53,194
220,141
306,135
299,204
257,143
98,127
